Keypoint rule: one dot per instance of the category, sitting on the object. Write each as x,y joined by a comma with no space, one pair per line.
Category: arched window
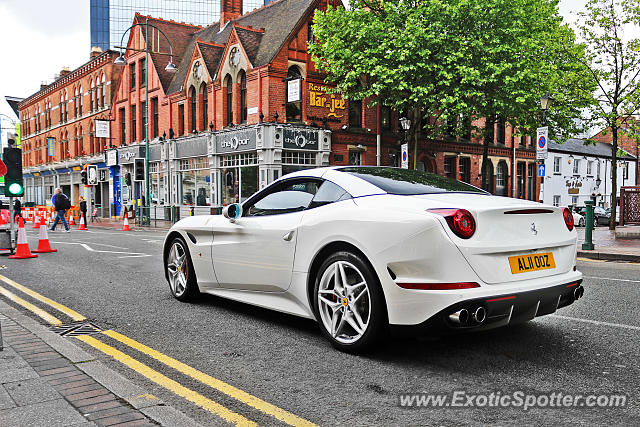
294,109
243,97
229,101
487,176
502,174
205,119
80,100
102,95
91,97
194,117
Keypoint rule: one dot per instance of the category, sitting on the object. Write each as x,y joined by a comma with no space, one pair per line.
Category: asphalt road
285,360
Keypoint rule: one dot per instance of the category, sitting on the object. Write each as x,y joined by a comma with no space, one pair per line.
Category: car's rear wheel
180,272
349,303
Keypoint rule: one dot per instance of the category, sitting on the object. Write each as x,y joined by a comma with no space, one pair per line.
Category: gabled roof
212,54
578,146
278,19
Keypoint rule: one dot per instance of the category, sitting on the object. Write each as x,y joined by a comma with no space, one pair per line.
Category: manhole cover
72,330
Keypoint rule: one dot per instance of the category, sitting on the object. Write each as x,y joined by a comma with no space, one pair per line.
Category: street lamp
171,67
545,104
405,123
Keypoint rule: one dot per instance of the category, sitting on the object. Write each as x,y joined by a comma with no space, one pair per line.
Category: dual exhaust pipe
463,316
578,293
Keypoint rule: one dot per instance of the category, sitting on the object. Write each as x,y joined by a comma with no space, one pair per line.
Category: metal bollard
588,227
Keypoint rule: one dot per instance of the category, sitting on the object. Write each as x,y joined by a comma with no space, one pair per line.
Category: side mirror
232,212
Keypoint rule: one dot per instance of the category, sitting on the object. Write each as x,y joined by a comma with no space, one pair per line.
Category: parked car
599,215
608,212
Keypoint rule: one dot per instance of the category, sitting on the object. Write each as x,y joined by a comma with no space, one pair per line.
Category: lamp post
121,61
545,104
405,123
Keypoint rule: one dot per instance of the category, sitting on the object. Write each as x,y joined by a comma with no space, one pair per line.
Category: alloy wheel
177,267
344,302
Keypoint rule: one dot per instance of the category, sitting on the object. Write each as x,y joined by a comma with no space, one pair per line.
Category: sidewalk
47,380
624,247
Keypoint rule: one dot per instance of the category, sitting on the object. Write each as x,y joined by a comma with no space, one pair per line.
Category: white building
575,172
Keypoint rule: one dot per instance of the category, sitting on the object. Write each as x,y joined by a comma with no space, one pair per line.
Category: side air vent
192,238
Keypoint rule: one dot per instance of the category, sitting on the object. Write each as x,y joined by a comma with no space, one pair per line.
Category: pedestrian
60,203
83,210
17,209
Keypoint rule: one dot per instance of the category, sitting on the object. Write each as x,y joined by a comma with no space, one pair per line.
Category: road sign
92,175
543,142
405,156
541,169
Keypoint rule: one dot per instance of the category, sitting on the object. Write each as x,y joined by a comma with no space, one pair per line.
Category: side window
290,197
328,193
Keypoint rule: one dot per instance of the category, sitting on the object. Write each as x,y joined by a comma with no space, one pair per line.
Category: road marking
168,383
597,322
612,278
90,249
52,320
591,260
215,383
61,308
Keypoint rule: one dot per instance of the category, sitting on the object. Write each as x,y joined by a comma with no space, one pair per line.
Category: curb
138,398
609,256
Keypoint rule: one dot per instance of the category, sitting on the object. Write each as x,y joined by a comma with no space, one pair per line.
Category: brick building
58,127
625,141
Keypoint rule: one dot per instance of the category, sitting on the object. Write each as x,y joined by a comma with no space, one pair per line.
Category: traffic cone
43,242
37,223
125,227
71,221
82,223
22,248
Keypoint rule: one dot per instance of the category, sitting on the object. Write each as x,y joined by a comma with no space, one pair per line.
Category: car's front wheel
180,272
349,303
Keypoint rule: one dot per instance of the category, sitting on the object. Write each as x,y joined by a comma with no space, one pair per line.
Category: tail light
460,221
568,218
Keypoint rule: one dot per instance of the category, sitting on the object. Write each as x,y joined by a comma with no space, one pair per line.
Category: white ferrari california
366,249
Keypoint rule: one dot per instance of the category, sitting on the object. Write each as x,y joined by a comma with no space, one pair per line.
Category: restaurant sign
318,97
231,142
301,139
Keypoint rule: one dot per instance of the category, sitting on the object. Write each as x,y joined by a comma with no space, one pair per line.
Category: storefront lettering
318,97
307,140
234,143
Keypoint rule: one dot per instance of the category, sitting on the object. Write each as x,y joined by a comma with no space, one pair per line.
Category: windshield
410,181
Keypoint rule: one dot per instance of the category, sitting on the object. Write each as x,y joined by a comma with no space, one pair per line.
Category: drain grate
75,329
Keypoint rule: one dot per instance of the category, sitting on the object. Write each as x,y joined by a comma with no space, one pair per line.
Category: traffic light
127,179
13,182
139,169
83,176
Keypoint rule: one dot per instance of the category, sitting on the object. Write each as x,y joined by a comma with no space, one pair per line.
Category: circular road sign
404,156
542,141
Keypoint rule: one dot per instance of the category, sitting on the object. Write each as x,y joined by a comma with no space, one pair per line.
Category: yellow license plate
531,262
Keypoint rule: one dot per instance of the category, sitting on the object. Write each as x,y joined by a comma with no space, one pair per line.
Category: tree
444,61
614,65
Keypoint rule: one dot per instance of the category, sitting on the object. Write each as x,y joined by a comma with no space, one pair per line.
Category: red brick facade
625,142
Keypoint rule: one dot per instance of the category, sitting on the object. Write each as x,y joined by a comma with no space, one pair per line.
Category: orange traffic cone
82,223
43,242
71,221
36,222
125,227
22,249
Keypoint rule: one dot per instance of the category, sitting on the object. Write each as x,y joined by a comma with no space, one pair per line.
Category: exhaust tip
479,315
460,317
578,292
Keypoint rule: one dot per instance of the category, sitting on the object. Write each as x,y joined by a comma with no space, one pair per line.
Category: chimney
229,10
95,51
64,71
43,85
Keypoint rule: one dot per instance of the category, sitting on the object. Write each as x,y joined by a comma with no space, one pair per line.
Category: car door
256,252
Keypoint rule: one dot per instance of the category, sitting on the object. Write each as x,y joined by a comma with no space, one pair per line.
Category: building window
154,113
557,165
123,127
589,168
355,157
143,113
181,119
243,97
194,120
143,72
556,200
501,131
355,113
598,168
385,117
293,109
80,95
311,38
576,167
229,101
132,75
205,106
464,169
91,103
134,130
531,181
449,167
625,170
520,171
502,173
574,200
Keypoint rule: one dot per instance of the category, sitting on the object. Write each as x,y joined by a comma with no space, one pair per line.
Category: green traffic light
15,188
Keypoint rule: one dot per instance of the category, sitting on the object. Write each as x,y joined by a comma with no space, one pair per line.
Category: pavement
623,244
45,380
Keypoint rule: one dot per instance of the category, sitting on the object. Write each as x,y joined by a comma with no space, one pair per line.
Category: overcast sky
39,37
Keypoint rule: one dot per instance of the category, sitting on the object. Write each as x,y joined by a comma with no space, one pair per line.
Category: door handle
289,236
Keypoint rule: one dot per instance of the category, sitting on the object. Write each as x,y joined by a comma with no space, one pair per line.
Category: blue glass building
110,18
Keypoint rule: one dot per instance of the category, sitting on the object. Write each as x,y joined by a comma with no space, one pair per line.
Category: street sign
51,147
543,143
405,156
92,175
541,170
102,129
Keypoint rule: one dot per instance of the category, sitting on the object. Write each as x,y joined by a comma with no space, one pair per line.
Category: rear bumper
501,310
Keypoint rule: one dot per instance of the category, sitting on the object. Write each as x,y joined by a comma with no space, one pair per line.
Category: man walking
60,203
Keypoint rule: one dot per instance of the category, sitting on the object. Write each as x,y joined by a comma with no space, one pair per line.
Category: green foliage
457,58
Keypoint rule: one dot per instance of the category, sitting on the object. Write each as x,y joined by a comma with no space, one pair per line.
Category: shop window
243,97
194,120
355,113
229,101
205,106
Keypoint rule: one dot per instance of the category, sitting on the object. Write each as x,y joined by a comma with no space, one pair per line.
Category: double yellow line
153,375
